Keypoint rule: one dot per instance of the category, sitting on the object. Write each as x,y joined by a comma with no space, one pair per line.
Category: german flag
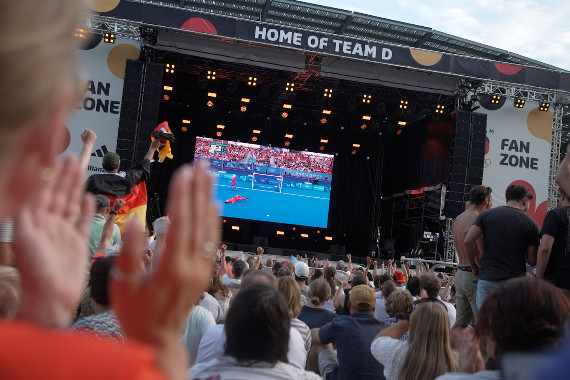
134,208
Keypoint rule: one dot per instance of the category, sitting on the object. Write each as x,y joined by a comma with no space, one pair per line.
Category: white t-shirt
198,323
380,311
391,354
211,304
232,282
227,368
212,346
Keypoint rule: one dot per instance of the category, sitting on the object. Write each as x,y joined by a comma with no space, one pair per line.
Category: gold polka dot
539,123
425,58
103,5
117,58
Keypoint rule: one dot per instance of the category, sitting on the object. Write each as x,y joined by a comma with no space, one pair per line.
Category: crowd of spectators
274,157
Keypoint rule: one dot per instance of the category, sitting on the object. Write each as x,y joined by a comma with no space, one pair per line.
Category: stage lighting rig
366,117
169,68
284,115
211,75
519,103
366,98
287,106
328,93
290,87
109,38
252,81
544,106
440,108
404,104
496,99
324,120
324,141
327,112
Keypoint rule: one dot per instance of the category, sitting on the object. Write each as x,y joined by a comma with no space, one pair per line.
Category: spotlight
327,112
284,115
169,68
288,136
166,97
80,33
254,138
519,103
356,145
184,129
322,147
304,235
235,228
287,143
257,131
328,93
245,100
496,99
544,106
219,134
324,141
211,75
404,104
439,108
353,152
210,103
185,121
220,126
290,87
288,106
280,232
212,94
363,126
109,38
366,117
366,98
252,81
329,238
168,88
243,108
402,123
324,120
399,132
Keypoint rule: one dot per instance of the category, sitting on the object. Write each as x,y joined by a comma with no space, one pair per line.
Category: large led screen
269,184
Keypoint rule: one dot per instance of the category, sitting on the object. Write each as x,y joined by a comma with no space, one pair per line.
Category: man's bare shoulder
464,220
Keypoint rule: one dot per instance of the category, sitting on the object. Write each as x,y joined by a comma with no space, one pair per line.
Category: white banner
518,152
103,66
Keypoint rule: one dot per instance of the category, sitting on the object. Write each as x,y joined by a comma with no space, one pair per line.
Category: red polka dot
507,69
201,25
64,141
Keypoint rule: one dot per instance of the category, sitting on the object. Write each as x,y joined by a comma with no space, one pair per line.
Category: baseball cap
102,201
277,265
398,276
362,296
301,270
111,161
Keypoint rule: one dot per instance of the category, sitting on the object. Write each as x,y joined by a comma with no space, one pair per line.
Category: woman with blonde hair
292,293
399,306
426,355
315,315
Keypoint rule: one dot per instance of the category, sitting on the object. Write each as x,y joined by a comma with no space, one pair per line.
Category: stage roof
298,14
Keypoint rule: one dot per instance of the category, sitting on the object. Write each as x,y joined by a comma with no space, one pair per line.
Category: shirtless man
466,281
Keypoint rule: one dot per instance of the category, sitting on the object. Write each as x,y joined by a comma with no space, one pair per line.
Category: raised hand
50,246
153,308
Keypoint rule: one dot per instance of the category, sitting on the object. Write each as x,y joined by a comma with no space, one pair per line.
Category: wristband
113,212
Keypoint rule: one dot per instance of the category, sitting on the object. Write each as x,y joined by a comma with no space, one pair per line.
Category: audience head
301,271
319,292
216,284
250,262
362,299
398,277
292,293
340,265
523,314
329,273
399,304
383,278
38,87
387,288
257,325
99,280
238,268
276,266
519,193
317,273
258,277
290,266
284,272
10,292
429,351
376,281
431,284
481,194
359,279
413,286
111,162
102,204
269,263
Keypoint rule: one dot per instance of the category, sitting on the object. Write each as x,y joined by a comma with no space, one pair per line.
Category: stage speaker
387,254
467,160
139,110
337,250
260,241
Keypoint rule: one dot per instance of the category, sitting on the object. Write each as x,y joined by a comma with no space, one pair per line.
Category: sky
535,29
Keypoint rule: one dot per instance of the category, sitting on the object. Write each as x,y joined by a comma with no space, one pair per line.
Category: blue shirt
315,317
352,336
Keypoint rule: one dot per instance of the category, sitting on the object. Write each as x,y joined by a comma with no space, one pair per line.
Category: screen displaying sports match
269,184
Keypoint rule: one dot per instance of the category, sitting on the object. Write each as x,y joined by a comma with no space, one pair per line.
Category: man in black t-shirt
553,262
510,240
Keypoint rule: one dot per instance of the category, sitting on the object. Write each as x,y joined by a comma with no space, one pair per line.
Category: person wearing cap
302,277
510,241
352,335
118,184
102,211
399,279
